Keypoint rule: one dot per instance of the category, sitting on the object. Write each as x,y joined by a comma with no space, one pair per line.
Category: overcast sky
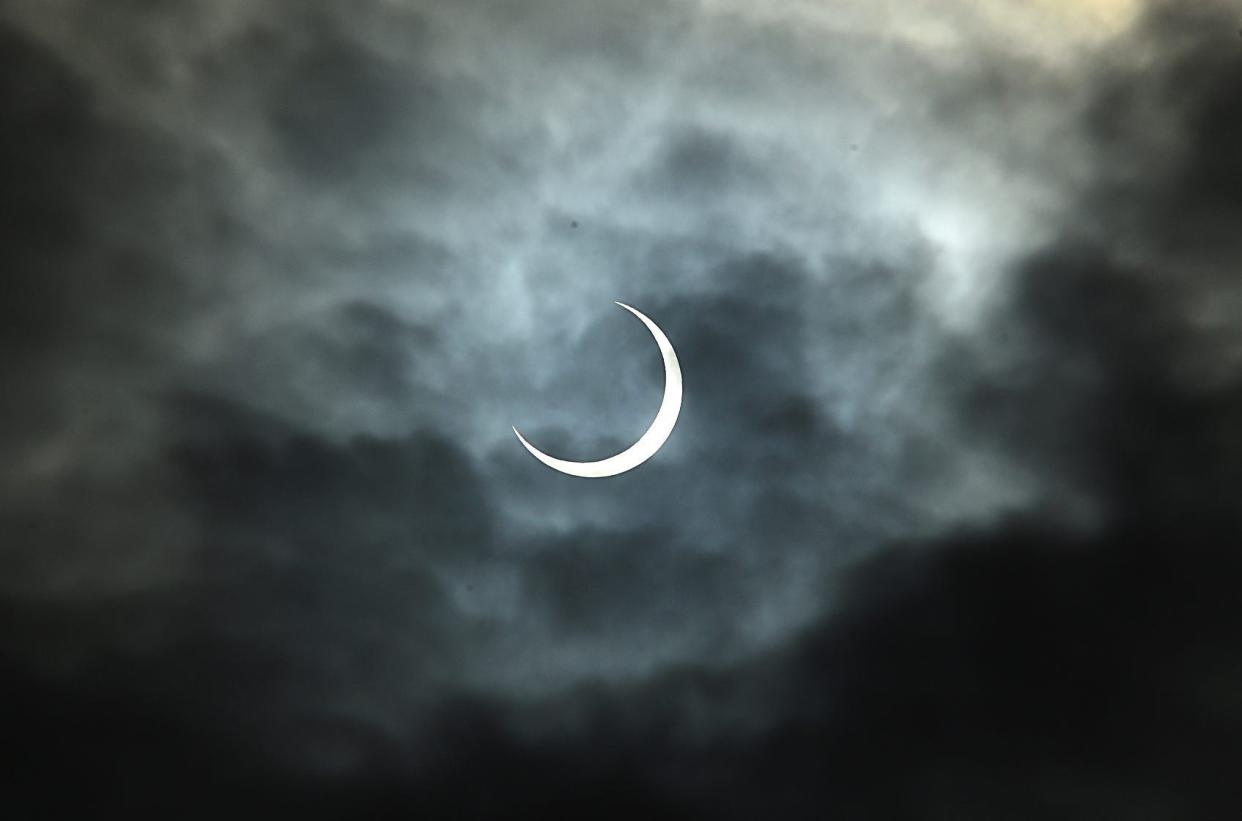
946,527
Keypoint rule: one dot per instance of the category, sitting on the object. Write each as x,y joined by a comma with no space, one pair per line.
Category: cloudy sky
947,528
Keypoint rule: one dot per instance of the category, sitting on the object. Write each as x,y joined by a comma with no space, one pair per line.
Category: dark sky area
949,526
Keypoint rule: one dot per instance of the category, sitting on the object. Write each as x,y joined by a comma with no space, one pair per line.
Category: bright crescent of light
649,442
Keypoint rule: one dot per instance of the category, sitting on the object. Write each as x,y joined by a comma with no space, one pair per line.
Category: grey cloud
281,277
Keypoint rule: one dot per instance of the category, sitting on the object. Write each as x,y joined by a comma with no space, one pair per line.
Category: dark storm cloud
340,554
259,308
272,304
698,163
1019,670
361,353
75,277
320,604
337,107
206,539
1122,336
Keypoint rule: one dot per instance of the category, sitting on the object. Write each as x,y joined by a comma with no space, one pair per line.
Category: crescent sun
649,442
